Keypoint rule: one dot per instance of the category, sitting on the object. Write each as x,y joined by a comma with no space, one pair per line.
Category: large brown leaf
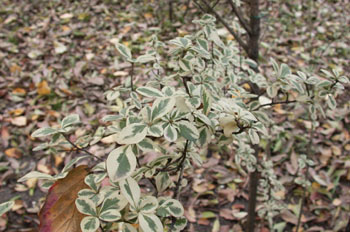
59,213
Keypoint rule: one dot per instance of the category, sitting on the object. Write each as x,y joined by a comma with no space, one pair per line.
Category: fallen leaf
59,47
43,88
19,91
59,213
13,153
17,112
19,121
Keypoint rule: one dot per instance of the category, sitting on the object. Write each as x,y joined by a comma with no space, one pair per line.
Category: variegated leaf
170,207
124,51
170,133
131,191
150,223
180,224
162,106
162,181
86,206
148,204
128,228
188,131
111,207
146,145
206,100
149,91
70,120
132,134
37,175
121,163
44,132
156,130
89,224
7,206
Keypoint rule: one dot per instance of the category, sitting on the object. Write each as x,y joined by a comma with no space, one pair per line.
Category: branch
132,77
308,153
240,17
275,103
80,149
232,32
181,166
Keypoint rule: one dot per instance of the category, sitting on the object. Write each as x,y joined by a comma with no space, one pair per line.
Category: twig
253,190
181,167
240,17
275,103
78,148
308,153
132,77
184,80
232,32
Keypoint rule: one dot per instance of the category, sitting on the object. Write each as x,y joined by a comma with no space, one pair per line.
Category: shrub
196,97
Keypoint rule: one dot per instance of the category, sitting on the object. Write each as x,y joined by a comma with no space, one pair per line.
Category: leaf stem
80,149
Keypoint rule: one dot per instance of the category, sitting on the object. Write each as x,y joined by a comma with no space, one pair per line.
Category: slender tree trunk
254,35
253,190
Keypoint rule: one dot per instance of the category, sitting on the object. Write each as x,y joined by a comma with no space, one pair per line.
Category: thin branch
308,153
132,77
240,17
275,103
232,32
184,80
80,149
253,192
181,166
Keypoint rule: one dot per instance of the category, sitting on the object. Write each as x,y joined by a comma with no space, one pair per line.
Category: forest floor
58,57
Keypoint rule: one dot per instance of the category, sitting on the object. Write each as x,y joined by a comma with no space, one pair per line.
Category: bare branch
80,149
275,103
240,17
232,32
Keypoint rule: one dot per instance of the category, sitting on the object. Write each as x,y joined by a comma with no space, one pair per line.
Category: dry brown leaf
59,213
43,88
19,91
13,153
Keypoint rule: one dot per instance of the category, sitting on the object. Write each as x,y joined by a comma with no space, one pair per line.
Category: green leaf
131,191
124,51
161,107
44,132
132,134
89,224
150,223
86,206
121,163
70,120
188,131
6,206
149,92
